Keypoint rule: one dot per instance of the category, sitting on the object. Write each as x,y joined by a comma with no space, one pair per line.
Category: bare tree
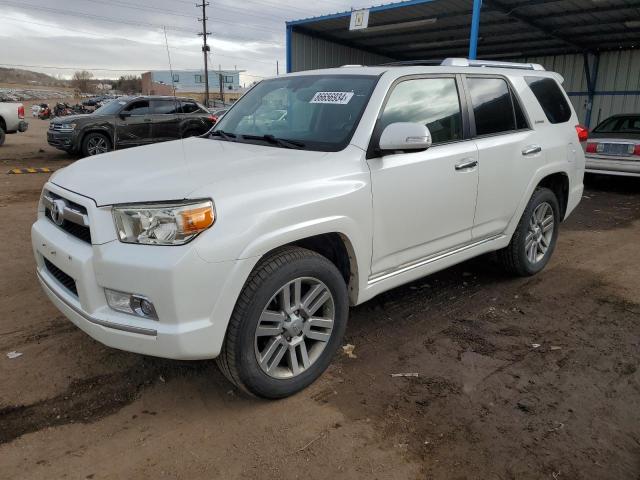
129,84
82,81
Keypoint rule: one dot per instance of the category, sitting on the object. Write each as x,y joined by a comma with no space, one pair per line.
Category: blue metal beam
288,40
592,78
475,29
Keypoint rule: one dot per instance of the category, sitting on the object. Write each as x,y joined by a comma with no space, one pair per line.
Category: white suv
251,243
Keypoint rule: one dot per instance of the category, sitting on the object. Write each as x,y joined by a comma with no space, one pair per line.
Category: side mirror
405,136
124,115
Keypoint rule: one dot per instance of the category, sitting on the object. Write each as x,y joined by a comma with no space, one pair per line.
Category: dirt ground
487,403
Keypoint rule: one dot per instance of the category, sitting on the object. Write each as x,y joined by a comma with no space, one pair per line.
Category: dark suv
129,122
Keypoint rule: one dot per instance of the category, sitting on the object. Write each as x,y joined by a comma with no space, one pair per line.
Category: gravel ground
486,404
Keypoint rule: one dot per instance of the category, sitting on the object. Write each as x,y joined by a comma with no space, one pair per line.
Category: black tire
514,257
86,149
238,359
3,136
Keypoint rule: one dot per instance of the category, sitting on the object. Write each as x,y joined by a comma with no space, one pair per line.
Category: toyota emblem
57,211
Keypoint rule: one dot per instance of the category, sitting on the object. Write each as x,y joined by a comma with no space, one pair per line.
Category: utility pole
205,49
221,81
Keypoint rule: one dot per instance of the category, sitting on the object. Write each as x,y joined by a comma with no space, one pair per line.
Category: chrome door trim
103,323
427,260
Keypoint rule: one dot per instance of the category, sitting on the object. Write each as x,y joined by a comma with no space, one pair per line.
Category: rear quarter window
551,99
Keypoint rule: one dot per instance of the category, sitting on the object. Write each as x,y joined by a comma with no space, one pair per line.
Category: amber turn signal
197,219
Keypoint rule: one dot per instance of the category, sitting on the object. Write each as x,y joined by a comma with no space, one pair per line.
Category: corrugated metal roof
508,28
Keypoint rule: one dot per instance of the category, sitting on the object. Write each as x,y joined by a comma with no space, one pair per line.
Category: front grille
68,282
78,231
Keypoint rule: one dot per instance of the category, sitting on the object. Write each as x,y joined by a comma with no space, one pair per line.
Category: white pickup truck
251,243
11,119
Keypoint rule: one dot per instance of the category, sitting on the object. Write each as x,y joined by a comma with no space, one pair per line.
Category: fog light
137,305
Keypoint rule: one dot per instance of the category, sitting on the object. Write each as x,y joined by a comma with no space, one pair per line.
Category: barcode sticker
336,98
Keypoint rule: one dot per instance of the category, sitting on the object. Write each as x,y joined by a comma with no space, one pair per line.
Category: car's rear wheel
535,237
95,144
3,136
287,324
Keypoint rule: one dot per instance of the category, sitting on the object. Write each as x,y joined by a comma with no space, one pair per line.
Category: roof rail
416,63
463,62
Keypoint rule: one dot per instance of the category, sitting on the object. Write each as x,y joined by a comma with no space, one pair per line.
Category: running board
407,267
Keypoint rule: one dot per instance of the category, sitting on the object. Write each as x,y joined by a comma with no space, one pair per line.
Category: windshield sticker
335,98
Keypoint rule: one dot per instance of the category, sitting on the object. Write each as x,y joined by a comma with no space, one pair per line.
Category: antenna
205,49
176,104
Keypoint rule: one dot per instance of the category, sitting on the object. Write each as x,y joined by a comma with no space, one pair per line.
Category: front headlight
163,224
67,127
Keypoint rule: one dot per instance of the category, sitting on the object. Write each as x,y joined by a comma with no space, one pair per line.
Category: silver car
614,146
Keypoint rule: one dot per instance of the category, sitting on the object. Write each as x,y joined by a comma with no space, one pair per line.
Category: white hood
173,170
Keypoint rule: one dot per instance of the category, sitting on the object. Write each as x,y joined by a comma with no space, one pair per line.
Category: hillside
27,77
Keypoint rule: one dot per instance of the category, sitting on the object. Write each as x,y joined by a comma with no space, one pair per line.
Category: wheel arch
337,247
558,183
86,132
3,124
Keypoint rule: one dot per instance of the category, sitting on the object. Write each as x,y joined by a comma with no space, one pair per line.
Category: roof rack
463,62
416,63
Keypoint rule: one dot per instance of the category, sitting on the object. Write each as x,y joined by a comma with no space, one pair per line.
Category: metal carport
592,43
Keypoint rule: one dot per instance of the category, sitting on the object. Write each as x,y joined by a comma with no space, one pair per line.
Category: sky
116,37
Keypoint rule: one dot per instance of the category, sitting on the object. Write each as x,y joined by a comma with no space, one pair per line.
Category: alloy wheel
294,328
540,233
97,145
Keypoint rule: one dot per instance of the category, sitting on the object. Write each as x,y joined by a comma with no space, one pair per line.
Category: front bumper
610,165
193,298
61,140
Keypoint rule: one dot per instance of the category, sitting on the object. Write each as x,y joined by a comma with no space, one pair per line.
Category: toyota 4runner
251,243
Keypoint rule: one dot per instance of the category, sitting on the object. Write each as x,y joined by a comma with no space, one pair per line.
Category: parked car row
128,122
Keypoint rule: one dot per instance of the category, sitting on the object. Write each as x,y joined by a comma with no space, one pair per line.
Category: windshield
317,112
625,124
111,108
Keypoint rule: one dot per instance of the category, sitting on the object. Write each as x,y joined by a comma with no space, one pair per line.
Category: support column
475,29
288,47
592,78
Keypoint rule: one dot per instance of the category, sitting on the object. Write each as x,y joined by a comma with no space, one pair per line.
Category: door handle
531,150
147,120
466,164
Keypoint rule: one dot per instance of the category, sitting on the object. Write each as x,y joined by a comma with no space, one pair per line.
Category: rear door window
165,107
190,107
494,108
433,102
552,100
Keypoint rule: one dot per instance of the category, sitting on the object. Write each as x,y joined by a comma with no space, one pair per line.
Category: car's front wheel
3,135
95,144
287,324
535,237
